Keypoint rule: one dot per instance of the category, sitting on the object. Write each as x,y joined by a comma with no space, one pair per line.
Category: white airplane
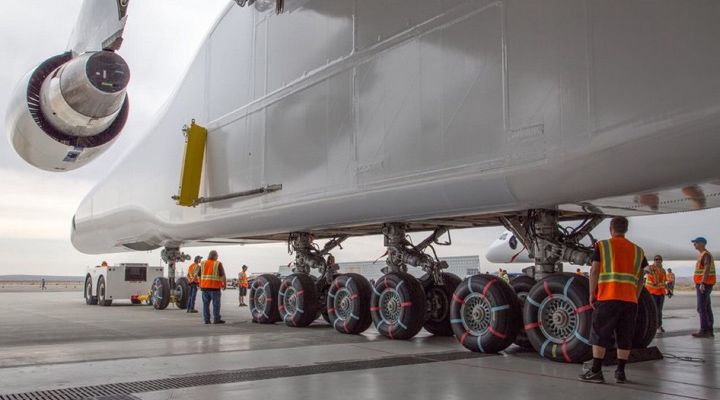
339,118
667,235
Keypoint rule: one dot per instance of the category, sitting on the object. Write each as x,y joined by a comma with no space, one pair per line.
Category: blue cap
699,239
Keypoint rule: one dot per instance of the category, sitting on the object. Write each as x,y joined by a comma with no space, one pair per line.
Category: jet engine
69,109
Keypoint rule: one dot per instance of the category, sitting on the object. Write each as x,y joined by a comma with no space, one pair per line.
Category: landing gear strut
168,290
401,304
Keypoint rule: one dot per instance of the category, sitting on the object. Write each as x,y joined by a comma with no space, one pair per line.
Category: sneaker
620,377
219,322
207,322
592,377
193,311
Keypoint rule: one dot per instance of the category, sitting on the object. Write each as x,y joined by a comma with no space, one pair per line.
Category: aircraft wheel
182,292
102,293
438,299
160,293
298,300
558,318
263,299
348,304
89,298
646,322
398,305
522,285
484,313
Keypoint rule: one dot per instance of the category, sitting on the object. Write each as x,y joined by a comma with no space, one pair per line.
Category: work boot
219,322
592,377
702,334
620,377
193,311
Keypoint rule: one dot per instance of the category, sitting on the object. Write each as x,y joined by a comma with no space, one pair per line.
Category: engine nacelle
69,110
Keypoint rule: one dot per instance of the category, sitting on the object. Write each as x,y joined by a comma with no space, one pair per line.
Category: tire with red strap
298,300
348,304
558,318
398,305
263,299
484,313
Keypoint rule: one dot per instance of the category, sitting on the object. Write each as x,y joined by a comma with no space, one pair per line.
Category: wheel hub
558,318
390,305
437,304
476,314
260,299
343,304
291,301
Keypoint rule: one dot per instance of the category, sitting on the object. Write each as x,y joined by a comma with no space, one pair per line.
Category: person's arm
706,264
594,272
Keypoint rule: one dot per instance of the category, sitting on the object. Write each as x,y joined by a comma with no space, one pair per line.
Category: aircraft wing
99,26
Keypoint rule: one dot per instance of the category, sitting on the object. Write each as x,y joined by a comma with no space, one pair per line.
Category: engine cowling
67,111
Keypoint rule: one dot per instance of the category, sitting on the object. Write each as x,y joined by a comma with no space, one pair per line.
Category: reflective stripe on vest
700,269
192,274
670,277
620,266
655,283
210,277
244,280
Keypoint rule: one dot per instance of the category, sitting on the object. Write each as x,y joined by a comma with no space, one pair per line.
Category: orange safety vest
192,274
670,277
620,269
244,280
210,277
700,269
655,283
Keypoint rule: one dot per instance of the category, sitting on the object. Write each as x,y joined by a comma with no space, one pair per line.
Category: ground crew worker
670,282
704,279
193,277
578,272
104,264
504,275
617,266
655,283
42,284
212,280
243,284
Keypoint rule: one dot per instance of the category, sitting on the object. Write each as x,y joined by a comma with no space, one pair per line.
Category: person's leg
206,305
624,332
700,306
216,305
708,309
191,297
659,302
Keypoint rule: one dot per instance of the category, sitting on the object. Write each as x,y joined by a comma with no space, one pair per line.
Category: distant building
461,266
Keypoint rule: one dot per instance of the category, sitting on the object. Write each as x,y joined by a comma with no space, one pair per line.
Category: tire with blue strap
558,318
298,300
484,314
263,299
398,305
348,304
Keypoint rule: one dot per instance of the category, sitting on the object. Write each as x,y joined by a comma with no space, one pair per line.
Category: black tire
438,299
182,287
325,316
484,314
102,293
135,301
398,305
348,304
522,285
263,299
646,323
558,318
298,300
89,298
160,293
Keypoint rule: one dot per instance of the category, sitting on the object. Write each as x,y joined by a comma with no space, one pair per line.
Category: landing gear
263,299
182,291
400,304
302,298
522,286
167,290
647,322
348,304
485,314
160,290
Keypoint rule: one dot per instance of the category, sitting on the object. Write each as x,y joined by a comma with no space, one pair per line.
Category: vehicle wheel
558,318
135,301
160,293
484,313
182,291
263,299
646,322
348,304
102,293
89,298
297,300
438,299
522,285
398,305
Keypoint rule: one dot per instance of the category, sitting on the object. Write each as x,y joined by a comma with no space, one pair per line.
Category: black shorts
613,322
243,291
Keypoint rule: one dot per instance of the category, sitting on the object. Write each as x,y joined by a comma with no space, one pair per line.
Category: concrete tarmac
54,343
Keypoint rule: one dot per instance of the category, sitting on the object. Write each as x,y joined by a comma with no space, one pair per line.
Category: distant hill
48,278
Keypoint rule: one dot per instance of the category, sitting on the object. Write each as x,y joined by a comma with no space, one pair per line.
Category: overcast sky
36,207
